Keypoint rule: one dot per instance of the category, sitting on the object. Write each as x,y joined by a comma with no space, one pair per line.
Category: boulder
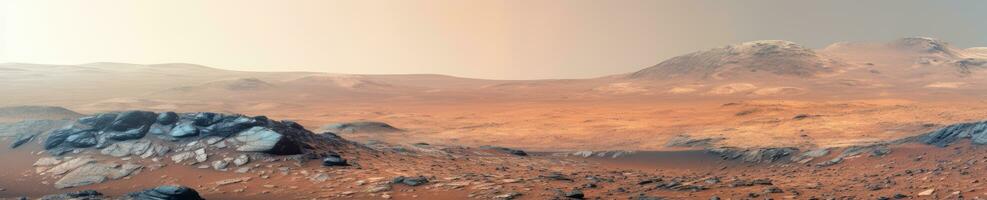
180,157
241,159
206,118
81,139
131,120
169,192
158,129
184,130
230,125
220,165
574,194
100,121
201,156
130,134
334,160
57,137
167,118
262,139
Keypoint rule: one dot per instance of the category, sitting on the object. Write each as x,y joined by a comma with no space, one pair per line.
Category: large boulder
262,139
168,192
131,120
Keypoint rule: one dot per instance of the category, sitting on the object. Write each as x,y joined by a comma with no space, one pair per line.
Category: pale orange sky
510,39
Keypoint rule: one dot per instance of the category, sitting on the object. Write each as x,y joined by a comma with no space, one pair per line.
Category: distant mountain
749,59
913,55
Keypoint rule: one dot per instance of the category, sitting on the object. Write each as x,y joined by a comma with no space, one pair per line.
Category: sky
502,39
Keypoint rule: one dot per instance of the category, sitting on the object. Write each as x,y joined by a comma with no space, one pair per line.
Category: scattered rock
70,165
180,157
410,181
928,192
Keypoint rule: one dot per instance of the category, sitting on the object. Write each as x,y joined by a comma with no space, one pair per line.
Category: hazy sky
511,39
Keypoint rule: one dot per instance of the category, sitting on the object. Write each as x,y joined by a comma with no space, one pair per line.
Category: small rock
575,194
927,192
334,160
410,181
508,196
220,165
241,159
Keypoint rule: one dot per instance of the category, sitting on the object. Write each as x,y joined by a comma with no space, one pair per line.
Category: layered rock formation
121,134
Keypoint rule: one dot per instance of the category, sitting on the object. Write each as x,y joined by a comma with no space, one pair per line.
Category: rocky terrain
770,119
118,155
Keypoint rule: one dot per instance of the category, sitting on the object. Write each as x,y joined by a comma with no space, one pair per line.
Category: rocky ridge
141,139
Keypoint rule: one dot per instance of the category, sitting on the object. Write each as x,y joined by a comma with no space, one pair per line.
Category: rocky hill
774,57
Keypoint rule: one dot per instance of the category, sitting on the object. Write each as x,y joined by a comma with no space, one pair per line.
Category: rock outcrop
124,133
758,155
975,131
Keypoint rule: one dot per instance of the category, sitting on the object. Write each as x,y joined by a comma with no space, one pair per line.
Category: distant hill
773,57
18,113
